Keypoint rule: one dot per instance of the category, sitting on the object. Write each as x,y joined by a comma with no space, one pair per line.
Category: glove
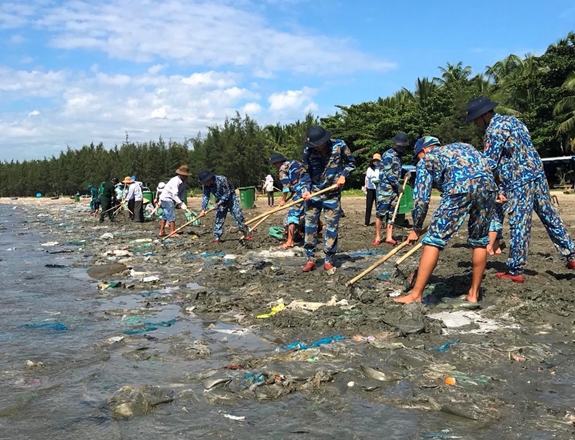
400,191
183,206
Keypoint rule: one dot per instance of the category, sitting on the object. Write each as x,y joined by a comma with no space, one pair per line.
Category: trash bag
192,215
276,232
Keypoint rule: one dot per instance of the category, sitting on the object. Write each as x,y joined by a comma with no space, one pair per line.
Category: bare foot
472,298
408,299
286,245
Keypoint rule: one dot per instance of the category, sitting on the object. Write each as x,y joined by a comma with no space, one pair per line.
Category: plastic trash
275,309
58,326
303,346
76,243
276,232
445,346
151,279
384,276
213,256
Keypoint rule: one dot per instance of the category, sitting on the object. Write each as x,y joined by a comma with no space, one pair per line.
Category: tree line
538,89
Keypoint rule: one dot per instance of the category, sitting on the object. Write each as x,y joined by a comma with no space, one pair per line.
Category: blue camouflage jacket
293,177
325,170
456,168
512,156
222,190
389,171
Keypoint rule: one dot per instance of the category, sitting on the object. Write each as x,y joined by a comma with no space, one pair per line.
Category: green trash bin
76,197
405,206
247,197
147,196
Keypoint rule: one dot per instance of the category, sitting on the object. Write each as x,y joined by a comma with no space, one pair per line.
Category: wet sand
508,365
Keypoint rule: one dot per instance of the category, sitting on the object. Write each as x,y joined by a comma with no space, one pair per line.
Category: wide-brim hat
277,157
424,142
479,106
127,180
400,139
205,176
317,136
183,171
376,156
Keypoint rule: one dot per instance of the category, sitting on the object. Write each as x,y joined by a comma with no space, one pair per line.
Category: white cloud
101,107
291,102
153,69
198,33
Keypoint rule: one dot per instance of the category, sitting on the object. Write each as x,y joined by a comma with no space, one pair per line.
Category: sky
76,72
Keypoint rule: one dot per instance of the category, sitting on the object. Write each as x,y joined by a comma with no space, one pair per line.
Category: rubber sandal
376,242
392,242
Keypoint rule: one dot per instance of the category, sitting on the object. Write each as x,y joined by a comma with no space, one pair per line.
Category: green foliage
538,89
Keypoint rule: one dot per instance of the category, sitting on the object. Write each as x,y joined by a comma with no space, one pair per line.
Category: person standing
327,161
468,188
293,177
172,196
389,188
226,200
134,198
269,189
371,184
95,200
519,170
107,199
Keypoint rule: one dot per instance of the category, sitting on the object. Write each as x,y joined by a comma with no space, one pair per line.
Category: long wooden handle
189,223
409,254
288,205
258,223
399,200
377,263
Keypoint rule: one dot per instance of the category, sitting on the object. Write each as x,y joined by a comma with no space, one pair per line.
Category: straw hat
183,171
127,180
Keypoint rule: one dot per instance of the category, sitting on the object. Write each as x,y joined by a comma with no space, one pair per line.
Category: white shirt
135,192
269,184
371,178
174,191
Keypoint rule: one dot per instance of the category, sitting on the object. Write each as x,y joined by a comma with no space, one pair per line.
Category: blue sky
75,72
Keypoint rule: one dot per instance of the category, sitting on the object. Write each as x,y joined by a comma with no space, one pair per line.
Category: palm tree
453,74
565,111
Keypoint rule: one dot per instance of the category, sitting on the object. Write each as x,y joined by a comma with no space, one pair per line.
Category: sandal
376,242
392,242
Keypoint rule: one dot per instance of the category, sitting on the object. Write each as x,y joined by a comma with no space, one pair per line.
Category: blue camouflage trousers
296,211
232,205
452,210
385,204
534,196
497,219
331,207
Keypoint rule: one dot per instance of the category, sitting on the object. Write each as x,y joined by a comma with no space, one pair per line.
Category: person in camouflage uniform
468,188
107,199
225,195
327,161
293,177
389,188
519,170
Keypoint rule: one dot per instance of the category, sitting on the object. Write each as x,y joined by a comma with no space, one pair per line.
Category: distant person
328,162
107,199
293,177
135,200
172,196
370,185
519,170
269,189
227,201
389,188
95,200
468,190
